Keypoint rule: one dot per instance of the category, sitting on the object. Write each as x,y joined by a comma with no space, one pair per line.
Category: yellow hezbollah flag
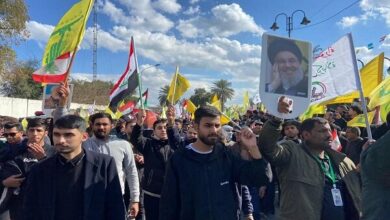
311,110
370,76
385,109
225,119
217,104
215,98
179,85
380,95
108,111
359,121
68,33
191,108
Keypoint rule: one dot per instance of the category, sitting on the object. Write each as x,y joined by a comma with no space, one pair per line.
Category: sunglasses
9,134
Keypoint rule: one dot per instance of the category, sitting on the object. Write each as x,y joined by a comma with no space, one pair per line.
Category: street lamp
289,21
155,65
361,62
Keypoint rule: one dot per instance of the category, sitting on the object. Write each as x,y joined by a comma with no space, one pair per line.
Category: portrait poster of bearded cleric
286,70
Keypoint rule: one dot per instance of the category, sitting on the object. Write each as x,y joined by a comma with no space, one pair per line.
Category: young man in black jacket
156,151
75,183
200,178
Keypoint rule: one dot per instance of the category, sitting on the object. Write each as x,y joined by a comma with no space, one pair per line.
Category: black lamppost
289,21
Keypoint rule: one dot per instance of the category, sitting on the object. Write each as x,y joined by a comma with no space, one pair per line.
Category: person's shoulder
96,156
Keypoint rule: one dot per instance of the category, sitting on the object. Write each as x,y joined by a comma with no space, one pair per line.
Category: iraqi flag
55,71
128,81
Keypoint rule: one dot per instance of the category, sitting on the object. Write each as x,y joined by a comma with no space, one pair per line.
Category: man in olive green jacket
375,166
304,184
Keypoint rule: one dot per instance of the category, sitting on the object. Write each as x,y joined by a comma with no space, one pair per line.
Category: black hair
310,123
295,123
280,45
206,111
37,122
98,115
355,130
357,109
10,125
178,120
158,121
71,122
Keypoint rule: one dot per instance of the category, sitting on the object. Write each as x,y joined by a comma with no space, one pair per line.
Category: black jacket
102,191
156,154
202,188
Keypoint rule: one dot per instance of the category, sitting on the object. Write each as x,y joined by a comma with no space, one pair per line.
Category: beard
209,140
288,82
100,134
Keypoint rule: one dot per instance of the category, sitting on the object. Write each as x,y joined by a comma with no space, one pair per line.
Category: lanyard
328,172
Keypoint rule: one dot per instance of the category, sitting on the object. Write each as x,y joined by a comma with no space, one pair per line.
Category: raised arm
136,138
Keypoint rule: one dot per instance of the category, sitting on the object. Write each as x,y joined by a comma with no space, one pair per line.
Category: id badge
336,194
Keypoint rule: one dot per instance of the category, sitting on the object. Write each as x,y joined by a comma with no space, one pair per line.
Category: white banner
334,71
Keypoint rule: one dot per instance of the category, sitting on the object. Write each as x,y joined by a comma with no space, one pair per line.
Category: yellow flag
191,108
312,110
385,109
246,103
179,85
214,99
380,95
370,76
108,111
68,33
217,104
359,121
225,119
24,123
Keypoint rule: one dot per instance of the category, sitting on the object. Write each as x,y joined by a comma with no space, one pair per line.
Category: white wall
19,108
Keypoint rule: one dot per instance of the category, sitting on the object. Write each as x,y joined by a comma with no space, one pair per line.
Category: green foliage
162,95
200,97
16,81
13,18
224,91
88,92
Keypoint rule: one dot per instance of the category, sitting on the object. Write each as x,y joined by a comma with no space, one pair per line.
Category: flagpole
359,85
139,75
81,33
174,86
70,66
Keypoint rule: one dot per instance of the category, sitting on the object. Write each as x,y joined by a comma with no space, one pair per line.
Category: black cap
280,45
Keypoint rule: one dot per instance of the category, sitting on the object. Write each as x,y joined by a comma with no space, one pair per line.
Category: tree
162,95
87,92
17,81
222,88
200,96
13,18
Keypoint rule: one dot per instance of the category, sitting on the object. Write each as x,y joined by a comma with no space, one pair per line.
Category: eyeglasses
9,134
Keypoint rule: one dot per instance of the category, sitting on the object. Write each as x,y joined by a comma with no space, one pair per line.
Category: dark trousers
151,205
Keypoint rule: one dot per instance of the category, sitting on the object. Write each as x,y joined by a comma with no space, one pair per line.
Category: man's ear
46,133
305,135
85,136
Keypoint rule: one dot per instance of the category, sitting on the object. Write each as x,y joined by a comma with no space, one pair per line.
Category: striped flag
54,72
128,81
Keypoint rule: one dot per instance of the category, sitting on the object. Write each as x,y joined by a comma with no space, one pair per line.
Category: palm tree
223,90
162,95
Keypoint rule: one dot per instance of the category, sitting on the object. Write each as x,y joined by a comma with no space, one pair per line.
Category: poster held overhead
285,71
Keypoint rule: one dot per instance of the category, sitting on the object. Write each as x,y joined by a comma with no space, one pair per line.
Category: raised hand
141,116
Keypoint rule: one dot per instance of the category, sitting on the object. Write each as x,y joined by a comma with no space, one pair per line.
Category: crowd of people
255,167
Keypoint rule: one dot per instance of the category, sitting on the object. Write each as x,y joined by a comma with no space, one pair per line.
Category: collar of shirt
73,162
